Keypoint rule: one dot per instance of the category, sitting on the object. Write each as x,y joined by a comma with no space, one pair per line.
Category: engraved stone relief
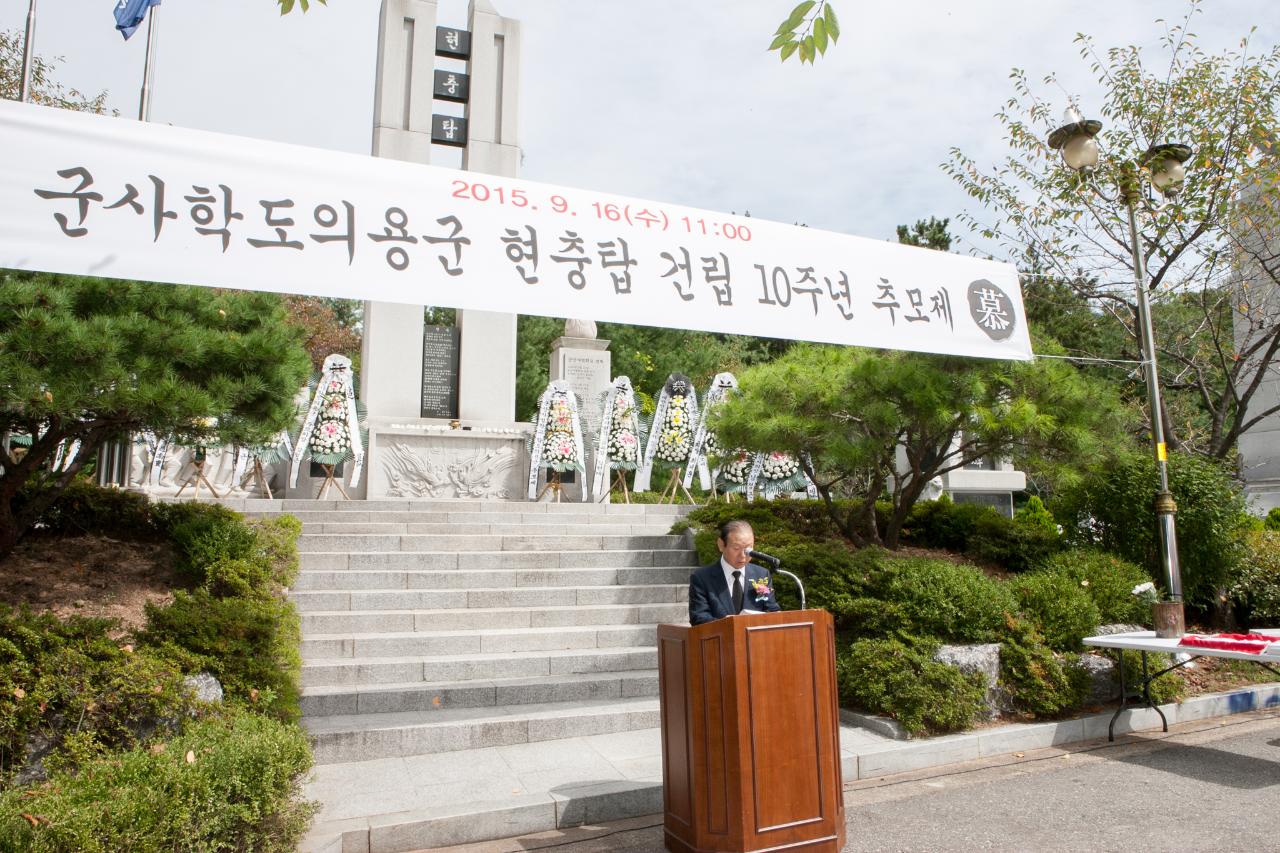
435,472
409,475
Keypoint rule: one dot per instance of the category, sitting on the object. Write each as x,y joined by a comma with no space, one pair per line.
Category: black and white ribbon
621,388
558,388
719,390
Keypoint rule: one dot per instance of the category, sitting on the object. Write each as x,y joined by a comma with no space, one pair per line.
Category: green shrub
1113,510
278,539
904,682
205,534
1037,681
248,642
1034,515
63,678
801,518
982,533
943,524
1108,580
1059,608
838,582
1166,688
85,507
1257,584
1010,544
934,598
1247,522
238,792
1273,519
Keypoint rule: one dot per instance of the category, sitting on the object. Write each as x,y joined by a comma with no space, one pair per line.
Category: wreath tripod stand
677,482
554,485
197,477
330,479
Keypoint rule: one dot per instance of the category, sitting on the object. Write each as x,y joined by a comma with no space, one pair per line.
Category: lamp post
1163,166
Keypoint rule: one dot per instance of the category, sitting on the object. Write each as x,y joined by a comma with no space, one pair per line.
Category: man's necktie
737,592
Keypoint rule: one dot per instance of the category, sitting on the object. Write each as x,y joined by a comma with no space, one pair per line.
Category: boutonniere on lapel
761,590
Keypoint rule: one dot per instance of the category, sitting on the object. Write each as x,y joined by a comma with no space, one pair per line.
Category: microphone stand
794,578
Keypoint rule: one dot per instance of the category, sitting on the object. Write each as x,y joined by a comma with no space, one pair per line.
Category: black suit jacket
710,599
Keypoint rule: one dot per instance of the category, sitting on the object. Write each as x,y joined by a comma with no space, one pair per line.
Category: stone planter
1168,618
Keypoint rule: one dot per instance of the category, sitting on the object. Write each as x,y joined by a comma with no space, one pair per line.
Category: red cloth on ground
1253,644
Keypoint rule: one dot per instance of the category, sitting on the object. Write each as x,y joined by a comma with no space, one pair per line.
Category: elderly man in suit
731,584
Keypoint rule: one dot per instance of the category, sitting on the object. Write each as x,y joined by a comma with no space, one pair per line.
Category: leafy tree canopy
43,88
87,359
847,411
1211,251
807,32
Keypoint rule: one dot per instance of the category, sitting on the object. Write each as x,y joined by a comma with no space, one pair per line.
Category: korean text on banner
95,195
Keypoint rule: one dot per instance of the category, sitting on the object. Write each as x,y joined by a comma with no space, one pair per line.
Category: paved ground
1206,786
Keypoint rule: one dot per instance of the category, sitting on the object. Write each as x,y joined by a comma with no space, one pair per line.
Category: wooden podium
750,734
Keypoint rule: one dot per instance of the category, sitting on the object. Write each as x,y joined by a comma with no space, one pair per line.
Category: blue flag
131,13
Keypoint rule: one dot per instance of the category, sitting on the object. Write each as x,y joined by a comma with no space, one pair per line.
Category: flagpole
24,93
144,103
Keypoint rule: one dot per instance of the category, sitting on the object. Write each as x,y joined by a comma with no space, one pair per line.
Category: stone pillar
390,386
487,368
585,363
409,456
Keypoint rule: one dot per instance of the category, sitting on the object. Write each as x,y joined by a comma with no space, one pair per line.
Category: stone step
399,697
515,516
524,596
489,641
442,528
476,618
356,580
293,505
367,542
491,560
362,737
474,667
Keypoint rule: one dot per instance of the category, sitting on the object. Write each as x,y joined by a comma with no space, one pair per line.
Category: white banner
94,195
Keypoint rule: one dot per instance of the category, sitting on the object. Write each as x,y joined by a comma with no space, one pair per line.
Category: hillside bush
1109,582
1033,514
1165,688
64,678
69,688
237,624
1058,606
982,533
1113,510
903,681
230,782
203,534
1256,587
1037,681
1273,519
935,598
85,507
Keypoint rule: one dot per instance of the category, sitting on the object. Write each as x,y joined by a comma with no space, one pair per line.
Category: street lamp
1162,166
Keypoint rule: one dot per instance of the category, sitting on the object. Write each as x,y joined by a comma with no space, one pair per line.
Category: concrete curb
883,726
570,806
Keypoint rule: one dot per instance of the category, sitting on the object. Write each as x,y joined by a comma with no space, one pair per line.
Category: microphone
774,562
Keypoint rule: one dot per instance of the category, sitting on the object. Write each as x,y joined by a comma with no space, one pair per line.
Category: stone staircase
445,626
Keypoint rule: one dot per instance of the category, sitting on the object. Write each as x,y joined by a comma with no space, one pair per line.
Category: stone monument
415,451
583,360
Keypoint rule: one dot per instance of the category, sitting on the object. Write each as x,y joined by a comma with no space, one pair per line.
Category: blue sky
670,100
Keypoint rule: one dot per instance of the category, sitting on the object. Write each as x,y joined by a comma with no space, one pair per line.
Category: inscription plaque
588,374
440,347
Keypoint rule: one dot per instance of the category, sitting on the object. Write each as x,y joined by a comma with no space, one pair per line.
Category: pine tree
88,360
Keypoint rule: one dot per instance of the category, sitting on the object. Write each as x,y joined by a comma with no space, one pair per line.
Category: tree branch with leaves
1196,246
